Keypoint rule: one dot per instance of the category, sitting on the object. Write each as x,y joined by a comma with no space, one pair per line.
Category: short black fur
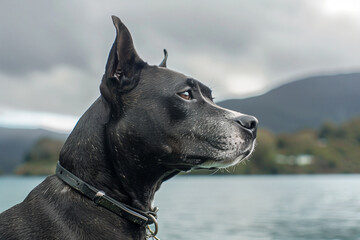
139,133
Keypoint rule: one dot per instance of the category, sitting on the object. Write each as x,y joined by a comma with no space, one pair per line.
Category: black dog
149,124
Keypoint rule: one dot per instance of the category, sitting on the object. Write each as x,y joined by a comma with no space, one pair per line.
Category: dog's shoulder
29,216
50,211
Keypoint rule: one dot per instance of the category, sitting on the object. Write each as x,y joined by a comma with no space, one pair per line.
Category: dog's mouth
225,163
224,160
228,159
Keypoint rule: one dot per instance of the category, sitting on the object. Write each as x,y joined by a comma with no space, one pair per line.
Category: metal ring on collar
153,233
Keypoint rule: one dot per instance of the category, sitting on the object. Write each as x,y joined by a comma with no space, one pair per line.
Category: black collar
100,198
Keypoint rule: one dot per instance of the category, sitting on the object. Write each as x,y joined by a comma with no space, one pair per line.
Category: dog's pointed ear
163,63
123,64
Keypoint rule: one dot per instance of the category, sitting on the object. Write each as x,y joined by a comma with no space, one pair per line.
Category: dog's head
159,116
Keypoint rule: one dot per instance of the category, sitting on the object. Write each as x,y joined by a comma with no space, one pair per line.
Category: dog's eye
185,95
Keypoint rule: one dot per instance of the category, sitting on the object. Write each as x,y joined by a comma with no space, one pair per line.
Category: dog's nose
248,122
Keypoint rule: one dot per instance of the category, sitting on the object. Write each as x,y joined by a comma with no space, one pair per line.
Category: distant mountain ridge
306,103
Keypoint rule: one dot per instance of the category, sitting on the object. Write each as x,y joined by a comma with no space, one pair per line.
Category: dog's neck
85,155
141,183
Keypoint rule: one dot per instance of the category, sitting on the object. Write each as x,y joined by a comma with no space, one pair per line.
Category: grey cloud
36,36
274,40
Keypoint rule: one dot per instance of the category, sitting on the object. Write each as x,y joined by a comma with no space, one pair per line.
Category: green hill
15,143
41,159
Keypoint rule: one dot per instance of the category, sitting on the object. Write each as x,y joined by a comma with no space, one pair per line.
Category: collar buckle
98,197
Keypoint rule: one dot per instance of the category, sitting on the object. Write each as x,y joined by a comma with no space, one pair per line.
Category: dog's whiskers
216,170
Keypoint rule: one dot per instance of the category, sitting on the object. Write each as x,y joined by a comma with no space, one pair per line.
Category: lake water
244,207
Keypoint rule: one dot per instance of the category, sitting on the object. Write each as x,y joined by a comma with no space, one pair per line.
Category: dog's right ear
123,65
163,63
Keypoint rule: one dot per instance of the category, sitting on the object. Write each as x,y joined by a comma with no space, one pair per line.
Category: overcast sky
53,53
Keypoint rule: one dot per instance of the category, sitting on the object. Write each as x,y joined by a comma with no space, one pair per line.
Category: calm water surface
244,207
